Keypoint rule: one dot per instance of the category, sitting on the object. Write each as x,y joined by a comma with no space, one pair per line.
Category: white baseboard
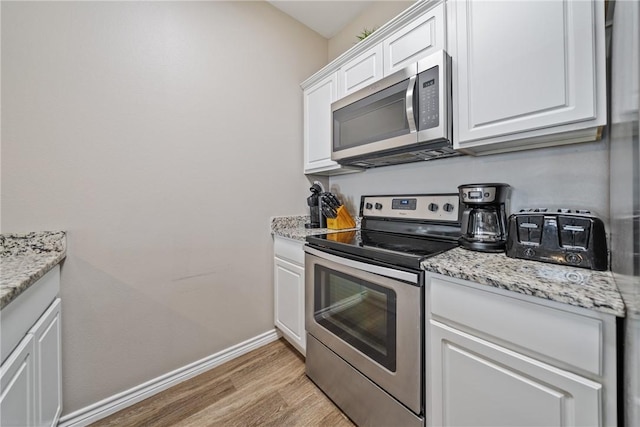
117,402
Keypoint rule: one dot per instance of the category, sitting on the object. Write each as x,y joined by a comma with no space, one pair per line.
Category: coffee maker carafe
484,220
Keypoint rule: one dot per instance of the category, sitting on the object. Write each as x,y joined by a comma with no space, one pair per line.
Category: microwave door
377,121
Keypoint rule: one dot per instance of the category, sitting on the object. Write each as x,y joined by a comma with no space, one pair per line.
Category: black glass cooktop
395,250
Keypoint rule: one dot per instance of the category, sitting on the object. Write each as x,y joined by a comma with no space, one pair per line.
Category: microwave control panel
428,99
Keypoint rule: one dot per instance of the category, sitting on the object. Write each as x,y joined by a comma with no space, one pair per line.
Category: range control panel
426,207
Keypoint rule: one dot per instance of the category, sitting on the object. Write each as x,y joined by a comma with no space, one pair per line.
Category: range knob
378,206
433,207
448,207
368,205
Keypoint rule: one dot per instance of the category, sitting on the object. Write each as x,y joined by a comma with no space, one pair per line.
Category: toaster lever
573,228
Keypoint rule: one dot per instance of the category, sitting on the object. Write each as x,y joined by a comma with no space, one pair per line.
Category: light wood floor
266,387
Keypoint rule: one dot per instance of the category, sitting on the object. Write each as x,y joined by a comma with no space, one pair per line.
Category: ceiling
326,18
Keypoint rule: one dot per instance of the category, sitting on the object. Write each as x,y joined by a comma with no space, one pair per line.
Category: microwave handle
411,118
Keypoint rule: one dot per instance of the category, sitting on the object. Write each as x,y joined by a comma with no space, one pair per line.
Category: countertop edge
292,227
30,264
597,292
16,291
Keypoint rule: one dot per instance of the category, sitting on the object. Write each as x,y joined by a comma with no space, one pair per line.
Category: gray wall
162,136
573,176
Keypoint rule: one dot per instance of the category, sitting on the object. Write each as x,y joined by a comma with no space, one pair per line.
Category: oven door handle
370,268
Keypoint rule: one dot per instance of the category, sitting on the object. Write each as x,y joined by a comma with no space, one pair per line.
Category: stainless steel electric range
365,306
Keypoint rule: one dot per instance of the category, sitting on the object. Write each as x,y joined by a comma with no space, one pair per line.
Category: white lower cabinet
17,394
289,291
48,366
31,374
498,358
479,383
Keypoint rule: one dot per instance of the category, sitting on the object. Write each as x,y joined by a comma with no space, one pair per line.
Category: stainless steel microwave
405,117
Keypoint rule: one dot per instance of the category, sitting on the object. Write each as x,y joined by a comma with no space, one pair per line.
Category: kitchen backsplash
572,176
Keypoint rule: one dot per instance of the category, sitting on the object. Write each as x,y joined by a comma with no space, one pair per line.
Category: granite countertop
293,227
580,287
595,290
629,286
24,258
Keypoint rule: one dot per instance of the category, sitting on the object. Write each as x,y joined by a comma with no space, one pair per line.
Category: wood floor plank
266,387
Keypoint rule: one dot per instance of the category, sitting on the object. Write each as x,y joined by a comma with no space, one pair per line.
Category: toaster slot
530,228
574,232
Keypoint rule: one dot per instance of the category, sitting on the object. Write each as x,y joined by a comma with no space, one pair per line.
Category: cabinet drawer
561,335
289,249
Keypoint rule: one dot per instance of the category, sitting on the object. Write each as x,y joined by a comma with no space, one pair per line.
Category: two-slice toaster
569,237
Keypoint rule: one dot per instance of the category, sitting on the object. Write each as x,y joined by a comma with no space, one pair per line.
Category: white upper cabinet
317,128
526,73
360,72
317,124
415,41
410,43
409,37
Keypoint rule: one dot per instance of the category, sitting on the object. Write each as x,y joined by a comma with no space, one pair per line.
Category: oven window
359,312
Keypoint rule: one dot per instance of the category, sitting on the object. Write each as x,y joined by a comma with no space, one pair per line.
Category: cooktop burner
398,231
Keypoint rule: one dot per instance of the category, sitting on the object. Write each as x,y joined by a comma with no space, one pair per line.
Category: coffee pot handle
464,224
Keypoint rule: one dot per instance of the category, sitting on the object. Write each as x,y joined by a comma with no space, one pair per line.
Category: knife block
342,221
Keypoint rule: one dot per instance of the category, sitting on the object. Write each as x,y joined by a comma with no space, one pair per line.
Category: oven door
371,317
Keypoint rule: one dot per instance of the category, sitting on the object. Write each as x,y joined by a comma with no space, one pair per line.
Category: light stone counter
24,258
629,286
579,287
293,227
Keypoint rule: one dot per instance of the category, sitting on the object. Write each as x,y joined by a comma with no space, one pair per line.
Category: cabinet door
361,71
317,125
289,302
17,395
526,65
415,41
475,382
48,367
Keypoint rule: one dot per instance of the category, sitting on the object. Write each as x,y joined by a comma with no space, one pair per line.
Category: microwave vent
399,157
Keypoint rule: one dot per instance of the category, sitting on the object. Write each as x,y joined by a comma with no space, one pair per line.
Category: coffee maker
484,220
